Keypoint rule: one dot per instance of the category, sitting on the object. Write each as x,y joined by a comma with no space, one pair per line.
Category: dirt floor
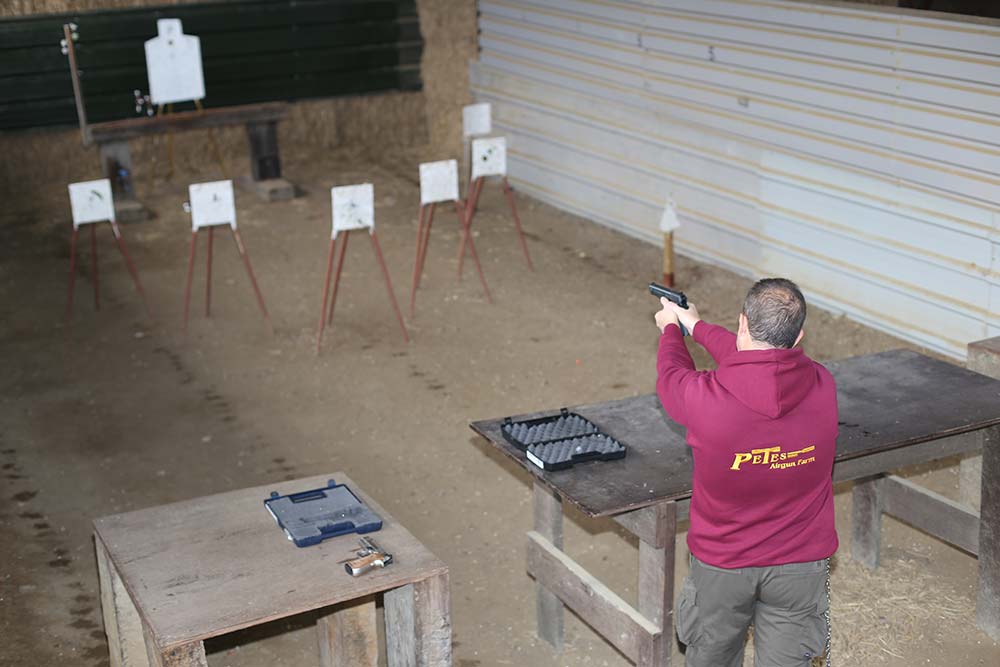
119,413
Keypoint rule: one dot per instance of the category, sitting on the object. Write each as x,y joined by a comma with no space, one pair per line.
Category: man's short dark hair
775,310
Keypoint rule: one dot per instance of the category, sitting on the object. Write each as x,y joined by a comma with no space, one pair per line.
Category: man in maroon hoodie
762,429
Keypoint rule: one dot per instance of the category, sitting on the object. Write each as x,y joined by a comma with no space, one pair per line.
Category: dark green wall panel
254,51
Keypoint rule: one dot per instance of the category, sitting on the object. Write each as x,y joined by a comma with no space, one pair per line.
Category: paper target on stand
212,203
91,201
669,220
477,119
173,64
489,157
353,207
438,181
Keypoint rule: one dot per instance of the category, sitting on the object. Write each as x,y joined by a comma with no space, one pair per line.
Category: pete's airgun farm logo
773,458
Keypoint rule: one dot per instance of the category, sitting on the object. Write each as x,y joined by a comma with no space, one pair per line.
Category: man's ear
744,328
798,339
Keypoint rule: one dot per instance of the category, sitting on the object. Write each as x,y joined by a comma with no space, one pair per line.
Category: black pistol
658,291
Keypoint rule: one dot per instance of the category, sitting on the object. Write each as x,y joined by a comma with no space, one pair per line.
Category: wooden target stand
439,184
353,210
91,203
213,204
166,109
489,159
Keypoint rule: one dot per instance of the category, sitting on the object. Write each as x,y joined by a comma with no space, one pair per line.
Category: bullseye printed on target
489,157
353,208
91,201
438,181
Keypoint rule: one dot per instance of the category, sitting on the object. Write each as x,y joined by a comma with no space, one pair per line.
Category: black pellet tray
539,431
570,451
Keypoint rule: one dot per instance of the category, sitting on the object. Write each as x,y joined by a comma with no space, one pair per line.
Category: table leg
349,636
656,583
185,655
548,607
988,599
866,520
418,624
122,624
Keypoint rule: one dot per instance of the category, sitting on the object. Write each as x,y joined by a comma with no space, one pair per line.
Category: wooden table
261,121
897,408
175,575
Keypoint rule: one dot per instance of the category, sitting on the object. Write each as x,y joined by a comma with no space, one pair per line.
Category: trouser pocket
687,621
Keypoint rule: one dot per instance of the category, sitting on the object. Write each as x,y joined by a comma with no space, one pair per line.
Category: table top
886,401
209,566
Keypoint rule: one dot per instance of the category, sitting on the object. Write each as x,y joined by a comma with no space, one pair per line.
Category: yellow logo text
773,457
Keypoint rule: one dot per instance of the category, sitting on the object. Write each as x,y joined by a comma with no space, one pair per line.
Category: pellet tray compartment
570,451
539,431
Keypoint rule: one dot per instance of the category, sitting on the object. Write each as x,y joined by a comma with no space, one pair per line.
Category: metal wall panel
856,151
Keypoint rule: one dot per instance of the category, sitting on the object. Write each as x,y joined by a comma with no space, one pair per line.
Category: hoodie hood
769,382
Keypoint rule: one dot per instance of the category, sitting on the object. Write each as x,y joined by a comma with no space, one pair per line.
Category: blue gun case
309,517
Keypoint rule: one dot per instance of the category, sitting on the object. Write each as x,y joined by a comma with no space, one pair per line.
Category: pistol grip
359,566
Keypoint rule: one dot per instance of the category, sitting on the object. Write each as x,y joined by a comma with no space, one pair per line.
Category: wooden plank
210,566
122,625
656,586
349,636
612,618
888,401
549,612
988,595
653,525
418,624
893,459
942,517
188,120
866,521
184,655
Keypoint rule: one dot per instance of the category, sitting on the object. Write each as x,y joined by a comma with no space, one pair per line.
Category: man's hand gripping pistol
370,556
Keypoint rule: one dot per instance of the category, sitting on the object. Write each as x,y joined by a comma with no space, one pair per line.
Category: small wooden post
418,624
668,259
988,598
656,583
549,524
349,636
121,619
866,521
983,357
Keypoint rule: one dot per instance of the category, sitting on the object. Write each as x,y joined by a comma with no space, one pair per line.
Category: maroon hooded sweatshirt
763,431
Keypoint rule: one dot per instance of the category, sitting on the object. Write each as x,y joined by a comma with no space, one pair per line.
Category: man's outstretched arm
674,366
719,341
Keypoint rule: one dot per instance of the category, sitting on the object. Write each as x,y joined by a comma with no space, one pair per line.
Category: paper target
489,157
173,64
353,207
212,203
476,119
438,181
91,201
669,221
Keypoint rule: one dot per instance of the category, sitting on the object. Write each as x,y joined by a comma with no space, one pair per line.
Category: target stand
489,158
353,210
439,184
213,204
91,202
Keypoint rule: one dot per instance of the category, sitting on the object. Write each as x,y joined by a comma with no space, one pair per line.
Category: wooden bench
175,575
261,121
897,409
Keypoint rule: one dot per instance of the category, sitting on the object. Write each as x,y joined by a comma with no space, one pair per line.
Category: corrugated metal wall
854,150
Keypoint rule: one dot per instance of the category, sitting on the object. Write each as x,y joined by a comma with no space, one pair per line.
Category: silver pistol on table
370,556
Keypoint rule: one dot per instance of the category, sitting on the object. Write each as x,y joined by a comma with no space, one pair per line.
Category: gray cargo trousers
788,606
